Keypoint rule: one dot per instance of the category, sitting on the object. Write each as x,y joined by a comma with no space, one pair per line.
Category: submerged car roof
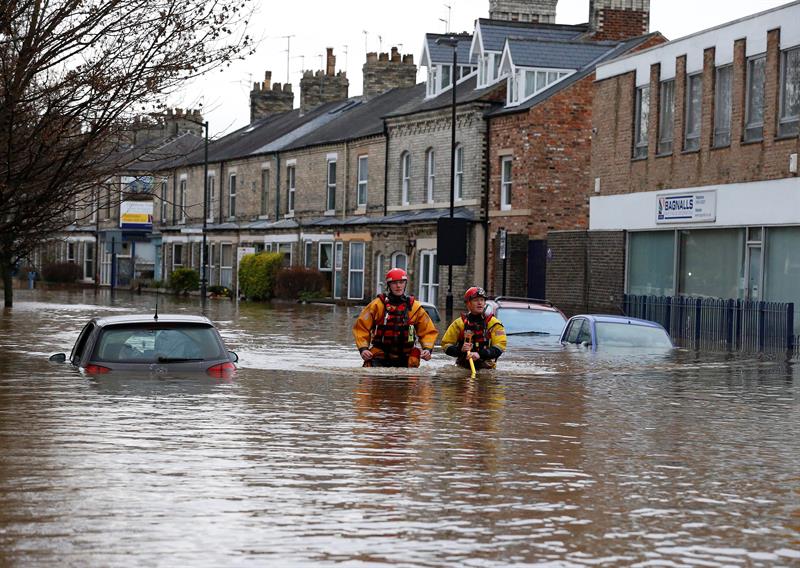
603,318
151,318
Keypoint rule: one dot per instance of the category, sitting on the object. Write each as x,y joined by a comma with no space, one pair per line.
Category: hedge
257,275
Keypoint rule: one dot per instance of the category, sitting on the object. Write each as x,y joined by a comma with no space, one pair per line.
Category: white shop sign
697,207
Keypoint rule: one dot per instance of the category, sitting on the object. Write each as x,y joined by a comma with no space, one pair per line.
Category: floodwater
558,458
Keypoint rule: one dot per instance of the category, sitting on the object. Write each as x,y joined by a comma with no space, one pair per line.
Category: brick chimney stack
323,86
266,100
619,19
388,71
542,11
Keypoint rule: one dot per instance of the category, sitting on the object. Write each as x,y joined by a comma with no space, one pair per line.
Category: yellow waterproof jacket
373,314
453,337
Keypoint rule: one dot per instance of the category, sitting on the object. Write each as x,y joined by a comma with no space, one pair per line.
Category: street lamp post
203,259
452,42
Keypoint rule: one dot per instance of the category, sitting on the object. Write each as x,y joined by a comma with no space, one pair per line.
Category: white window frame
379,283
88,260
265,183
430,174
330,185
164,202
232,194
428,291
175,247
307,253
363,180
351,270
405,176
291,179
514,82
95,198
182,198
325,244
459,172
506,182
212,191
71,249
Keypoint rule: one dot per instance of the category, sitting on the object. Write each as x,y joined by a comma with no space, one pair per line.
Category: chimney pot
330,69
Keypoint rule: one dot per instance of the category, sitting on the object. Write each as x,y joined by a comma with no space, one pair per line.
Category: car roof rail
522,299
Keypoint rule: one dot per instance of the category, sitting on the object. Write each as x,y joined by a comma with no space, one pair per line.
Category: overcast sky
317,24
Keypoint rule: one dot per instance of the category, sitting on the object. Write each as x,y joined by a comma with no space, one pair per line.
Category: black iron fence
716,324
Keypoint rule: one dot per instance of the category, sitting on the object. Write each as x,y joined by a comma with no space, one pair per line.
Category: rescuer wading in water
388,328
475,334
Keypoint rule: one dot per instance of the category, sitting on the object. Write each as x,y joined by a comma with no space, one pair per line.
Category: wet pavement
560,457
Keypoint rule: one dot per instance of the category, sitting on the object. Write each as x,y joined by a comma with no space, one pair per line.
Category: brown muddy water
560,457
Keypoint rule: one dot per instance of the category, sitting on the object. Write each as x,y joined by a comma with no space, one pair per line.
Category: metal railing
717,324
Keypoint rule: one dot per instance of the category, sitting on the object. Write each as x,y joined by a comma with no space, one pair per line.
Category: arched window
430,172
400,260
405,176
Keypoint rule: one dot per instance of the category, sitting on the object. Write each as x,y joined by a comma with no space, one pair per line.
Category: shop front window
651,263
712,263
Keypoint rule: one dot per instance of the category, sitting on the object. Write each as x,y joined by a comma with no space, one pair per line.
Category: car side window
574,329
585,333
80,344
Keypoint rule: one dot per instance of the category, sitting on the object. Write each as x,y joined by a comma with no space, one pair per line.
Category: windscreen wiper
179,359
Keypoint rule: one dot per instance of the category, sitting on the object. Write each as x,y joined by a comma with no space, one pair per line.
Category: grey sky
317,24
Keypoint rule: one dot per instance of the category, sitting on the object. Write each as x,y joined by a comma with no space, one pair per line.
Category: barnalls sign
696,207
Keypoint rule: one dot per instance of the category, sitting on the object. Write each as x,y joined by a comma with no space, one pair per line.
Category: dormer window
524,83
440,77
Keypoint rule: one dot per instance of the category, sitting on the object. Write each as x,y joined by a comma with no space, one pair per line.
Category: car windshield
618,334
523,320
157,343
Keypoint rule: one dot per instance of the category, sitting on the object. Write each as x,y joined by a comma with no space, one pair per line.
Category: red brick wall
621,24
613,112
550,144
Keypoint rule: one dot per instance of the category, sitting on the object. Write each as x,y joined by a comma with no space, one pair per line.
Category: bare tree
73,74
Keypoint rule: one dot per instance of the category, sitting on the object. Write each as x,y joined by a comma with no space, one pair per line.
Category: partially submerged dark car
161,343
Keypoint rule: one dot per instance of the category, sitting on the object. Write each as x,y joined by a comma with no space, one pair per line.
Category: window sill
686,152
505,208
362,210
330,213
725,147
263,217
289,215
754,141
639,159
787,137
664,155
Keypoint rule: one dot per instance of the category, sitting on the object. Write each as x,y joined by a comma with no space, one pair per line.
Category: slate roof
465,93
613,50
557,54
361,119
443,54
494,32
173,153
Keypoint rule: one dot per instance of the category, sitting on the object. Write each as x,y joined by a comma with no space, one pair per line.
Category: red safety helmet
474,292
396,274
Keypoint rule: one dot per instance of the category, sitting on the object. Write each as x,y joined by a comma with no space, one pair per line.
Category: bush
217,290
182,280
61,272
303,283
257,274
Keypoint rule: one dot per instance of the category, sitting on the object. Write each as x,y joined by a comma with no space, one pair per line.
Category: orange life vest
394,335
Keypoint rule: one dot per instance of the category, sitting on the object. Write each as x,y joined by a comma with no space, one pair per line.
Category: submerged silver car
157,343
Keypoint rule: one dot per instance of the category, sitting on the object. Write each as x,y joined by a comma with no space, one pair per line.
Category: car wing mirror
234,357
57,358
